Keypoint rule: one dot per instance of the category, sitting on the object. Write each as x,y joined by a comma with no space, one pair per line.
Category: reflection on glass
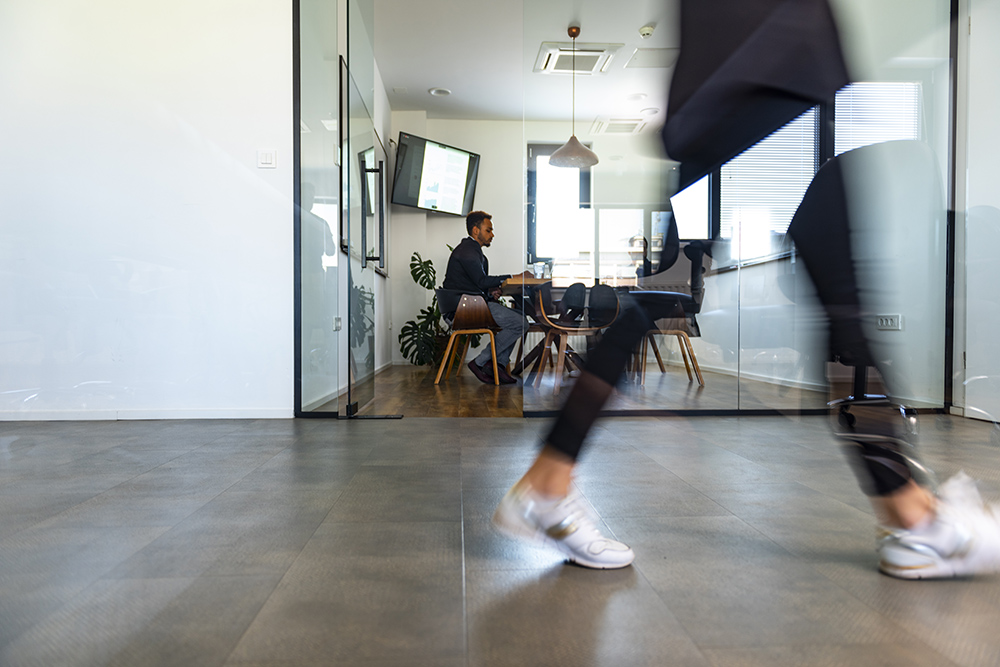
762,187
691,211
617,231
318,344
362,204
870,112
763,337
319,300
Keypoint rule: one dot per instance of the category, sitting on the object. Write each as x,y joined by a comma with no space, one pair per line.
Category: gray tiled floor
368,543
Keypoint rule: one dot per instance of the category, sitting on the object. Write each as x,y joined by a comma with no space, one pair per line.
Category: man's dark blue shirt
468,270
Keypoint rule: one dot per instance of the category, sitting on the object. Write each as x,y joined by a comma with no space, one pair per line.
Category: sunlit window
559,230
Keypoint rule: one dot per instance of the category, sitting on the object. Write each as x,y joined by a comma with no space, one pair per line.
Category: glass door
362,239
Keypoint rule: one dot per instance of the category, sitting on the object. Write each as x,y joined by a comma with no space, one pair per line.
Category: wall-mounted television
434,177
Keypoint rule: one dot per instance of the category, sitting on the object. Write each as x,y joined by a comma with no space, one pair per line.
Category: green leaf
418,340
422,271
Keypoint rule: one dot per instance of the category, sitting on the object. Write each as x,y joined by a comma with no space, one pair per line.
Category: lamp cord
574,87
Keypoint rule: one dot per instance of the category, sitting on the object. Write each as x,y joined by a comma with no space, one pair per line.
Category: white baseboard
152,414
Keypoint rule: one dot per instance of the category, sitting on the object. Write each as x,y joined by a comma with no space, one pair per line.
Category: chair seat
665,304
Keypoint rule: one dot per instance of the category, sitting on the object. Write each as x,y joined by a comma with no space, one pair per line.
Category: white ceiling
484,51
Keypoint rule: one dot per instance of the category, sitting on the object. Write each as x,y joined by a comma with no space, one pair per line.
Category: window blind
762,187
871,112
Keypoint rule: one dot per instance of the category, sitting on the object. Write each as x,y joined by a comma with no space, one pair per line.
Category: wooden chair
571,307
687,352
472,316
593,319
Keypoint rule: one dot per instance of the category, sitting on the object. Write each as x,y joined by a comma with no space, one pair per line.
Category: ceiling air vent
620,126
557,58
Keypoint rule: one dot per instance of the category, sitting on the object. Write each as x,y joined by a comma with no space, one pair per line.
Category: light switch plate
267,159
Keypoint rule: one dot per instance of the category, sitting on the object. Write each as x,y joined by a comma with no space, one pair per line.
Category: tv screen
433,176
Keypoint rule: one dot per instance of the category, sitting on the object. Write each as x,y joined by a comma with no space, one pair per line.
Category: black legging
604,367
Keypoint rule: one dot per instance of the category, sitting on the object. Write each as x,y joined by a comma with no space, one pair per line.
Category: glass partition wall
318,369
341,217
758,335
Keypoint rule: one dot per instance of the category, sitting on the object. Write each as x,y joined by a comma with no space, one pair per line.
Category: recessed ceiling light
637,97
650,111
439,92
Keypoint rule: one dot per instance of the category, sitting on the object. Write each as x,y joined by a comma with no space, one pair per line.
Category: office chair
675,312
594,317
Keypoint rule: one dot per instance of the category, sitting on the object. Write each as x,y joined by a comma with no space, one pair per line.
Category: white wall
145,261
408,233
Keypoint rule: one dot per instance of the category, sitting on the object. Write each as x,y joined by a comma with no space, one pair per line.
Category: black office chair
675,311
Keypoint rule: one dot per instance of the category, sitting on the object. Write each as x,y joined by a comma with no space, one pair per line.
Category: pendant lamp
573,153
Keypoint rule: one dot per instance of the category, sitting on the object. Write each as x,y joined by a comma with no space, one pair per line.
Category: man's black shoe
485,373
505,377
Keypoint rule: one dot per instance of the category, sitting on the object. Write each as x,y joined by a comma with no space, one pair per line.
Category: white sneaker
963,539
563,523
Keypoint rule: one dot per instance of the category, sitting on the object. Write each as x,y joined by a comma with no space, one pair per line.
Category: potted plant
420,340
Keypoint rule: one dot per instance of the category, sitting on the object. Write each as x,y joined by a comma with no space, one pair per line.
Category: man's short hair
475,219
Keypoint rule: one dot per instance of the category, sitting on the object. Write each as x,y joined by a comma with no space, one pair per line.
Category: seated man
468,272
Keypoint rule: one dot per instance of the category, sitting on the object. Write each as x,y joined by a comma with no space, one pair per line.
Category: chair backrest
448,300
601,310
603,306
544,307
574,302
473,313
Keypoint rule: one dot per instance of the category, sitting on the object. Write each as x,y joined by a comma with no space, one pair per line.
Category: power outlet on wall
889,322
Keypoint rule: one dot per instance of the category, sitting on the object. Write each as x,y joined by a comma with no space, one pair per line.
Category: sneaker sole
944,570
933,571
